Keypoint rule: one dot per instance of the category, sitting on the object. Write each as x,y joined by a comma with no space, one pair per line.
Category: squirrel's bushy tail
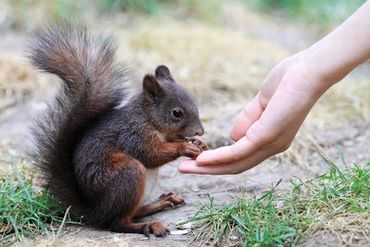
92,84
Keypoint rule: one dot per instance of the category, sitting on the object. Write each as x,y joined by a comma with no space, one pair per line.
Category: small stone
180,232
195,188
233,238
181,226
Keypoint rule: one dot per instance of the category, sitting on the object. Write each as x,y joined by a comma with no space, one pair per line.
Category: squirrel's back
92,84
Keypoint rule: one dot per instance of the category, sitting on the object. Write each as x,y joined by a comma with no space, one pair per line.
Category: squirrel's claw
146,231
158,229
200,144
165,195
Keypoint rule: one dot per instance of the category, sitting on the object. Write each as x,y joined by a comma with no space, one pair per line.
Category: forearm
334,56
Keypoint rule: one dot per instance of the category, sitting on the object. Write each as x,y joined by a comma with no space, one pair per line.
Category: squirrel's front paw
192,147
190,150
199,143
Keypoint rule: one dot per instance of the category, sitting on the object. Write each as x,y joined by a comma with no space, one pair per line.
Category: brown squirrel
94,154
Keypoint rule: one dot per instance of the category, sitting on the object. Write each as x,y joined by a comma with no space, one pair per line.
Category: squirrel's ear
152,88
163,72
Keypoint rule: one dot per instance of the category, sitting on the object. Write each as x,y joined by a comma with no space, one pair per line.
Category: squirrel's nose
199,132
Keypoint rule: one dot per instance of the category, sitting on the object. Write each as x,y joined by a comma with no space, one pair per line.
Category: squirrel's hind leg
126,194
164,202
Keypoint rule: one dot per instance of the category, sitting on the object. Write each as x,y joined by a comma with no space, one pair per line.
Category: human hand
268,124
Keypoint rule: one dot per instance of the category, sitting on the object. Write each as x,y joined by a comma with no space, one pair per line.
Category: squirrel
96,154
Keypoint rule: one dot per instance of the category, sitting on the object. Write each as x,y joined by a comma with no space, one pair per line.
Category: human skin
269,123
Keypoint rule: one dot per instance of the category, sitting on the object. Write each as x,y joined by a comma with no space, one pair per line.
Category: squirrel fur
95,155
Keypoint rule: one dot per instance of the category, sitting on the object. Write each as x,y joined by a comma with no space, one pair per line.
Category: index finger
246,118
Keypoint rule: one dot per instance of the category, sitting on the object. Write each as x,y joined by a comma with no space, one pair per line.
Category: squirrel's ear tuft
152,88
163,72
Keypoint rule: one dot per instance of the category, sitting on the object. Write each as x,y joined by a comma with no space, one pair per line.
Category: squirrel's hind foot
156,228
173,198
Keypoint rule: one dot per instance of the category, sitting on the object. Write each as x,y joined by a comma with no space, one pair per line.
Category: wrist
321,65
317,78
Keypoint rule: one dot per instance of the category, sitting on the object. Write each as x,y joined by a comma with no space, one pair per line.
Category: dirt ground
222,67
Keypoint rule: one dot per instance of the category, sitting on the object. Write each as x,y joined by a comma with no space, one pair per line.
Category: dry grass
16,81
219,65
19,82
214,63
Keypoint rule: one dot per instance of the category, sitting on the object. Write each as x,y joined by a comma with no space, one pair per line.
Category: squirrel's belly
150,183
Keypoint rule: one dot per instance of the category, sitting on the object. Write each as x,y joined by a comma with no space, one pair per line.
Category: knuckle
259,134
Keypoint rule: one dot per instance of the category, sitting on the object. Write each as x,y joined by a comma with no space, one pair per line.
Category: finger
246,118
191,167
184,166
227,154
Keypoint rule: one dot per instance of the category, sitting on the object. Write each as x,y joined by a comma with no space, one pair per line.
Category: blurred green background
24,13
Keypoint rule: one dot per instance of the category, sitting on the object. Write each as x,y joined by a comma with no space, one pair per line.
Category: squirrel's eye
177,113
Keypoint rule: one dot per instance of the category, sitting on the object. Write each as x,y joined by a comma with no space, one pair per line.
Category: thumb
250,114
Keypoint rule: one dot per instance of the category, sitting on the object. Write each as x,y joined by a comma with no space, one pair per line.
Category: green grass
25,210
22,14
143,6
207,10
317,11
282,219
